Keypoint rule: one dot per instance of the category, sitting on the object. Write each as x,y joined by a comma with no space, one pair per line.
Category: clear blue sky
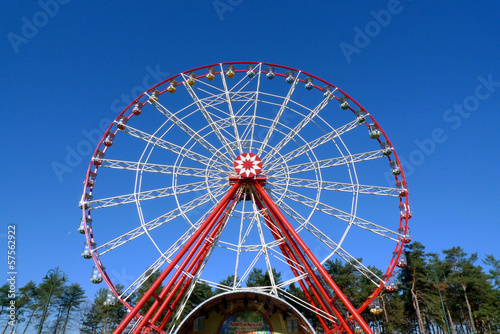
428,71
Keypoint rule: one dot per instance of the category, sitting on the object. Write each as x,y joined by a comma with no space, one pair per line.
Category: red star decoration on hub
247,165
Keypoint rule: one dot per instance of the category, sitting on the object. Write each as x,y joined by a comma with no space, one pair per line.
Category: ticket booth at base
245,312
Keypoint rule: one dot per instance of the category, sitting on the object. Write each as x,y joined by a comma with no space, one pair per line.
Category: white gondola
110,298
96,276
386,148
86,253
81,228
374,131
360,116
250,71
344,102
309,83
270,72
327,91
395,169
85,202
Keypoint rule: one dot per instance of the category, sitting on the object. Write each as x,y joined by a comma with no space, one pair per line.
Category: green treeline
447,293
436,294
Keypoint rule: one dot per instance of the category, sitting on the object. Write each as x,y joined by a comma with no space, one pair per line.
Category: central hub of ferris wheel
247,165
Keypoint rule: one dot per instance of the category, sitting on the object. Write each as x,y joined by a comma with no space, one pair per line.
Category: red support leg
201,230
205,228
290,256
317,284
288,229
194,265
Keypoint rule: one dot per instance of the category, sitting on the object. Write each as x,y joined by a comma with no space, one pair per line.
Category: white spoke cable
278,115
249,268
213,242
231,112
328,242
187,129
166,145
165,257
257,91
342,215
157,168
264,249
326,163
150,194
157,222
209,119
298,127
310,145
239,247
336,186
306,305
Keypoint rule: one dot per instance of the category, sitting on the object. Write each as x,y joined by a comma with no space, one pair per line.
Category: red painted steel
287,228
203,228
288,253
195,263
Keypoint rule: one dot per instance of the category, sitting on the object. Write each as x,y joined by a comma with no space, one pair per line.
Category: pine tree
415,287
29,294
49,291
228,282
495,271
71,300
4,297
102,318
257,277
461,269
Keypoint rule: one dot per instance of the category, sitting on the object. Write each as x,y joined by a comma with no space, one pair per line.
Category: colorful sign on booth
245,322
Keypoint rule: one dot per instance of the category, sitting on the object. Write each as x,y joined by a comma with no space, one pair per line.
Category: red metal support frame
297,245
287,228
194,265
185,249
289,255
197,264
205,228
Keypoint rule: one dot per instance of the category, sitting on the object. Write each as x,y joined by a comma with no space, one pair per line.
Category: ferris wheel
232,167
